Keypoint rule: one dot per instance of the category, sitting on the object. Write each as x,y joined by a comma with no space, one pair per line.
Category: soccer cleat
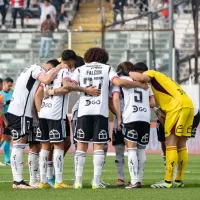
62,185
162,181
34,184
162,185
178,184
2,164
119,183
136,185
51,181
7,163
44,186
98,186
104,183
77,186
21,185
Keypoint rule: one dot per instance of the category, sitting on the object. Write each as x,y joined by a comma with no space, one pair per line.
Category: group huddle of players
37,115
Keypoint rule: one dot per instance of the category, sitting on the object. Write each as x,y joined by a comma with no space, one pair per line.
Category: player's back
136,104
168,94
25,88
54,107
99,75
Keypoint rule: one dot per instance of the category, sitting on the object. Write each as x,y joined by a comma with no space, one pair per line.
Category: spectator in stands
180,6
47,9
118,7
47,28
17,7
142,4
60,9
3,11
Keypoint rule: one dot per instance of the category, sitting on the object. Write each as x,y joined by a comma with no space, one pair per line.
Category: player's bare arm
38,98
116,104
152,102
160,115
2,115
111,106
48,78
129,84
144,78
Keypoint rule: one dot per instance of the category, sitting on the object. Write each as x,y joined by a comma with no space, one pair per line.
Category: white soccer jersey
99,75
25,88
136,104
75,111
55,107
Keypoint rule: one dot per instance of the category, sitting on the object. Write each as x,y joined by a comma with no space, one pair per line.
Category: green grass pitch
153,172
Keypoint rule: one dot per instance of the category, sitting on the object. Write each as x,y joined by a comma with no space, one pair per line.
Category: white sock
17,161
43,165
119,161
50,170
58,162
79,161
133,165
141,163
33,164
98,162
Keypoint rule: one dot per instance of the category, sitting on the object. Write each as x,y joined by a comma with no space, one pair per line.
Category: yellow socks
171,161
182,163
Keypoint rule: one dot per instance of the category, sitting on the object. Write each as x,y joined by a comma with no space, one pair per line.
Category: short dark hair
68,55
53,62
140,66
1,81
124,68
48,16
96,54
8,80
79,62
47,0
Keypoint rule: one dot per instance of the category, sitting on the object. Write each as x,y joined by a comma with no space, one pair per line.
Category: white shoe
2,164
34,184
3,27
102,182
159,182
98,186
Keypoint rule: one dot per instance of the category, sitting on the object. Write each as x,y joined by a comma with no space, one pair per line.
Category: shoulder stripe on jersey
79,70
159,87
109,69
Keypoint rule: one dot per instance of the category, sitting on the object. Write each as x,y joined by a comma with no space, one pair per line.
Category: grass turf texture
153,172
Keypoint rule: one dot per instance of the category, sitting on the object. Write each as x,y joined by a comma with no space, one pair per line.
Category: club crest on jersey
103,135
54,134
80,134
15,134
132,134
38,132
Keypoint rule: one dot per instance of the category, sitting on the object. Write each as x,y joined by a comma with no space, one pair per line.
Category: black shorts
19,126
117,137
7,131
32,136
161,132
67,127
51,130
92,128
137,132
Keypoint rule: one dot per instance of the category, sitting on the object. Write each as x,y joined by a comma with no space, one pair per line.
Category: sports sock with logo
58,162
133,164
7,151
43,165
50,169
141,163
171,161
79,161
182,163
33,164
98,162
17,161
119,161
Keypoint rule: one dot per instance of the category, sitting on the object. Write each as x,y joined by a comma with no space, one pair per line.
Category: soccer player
7,94
136,120
52,118
93,113
19,115
33,158
179,111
